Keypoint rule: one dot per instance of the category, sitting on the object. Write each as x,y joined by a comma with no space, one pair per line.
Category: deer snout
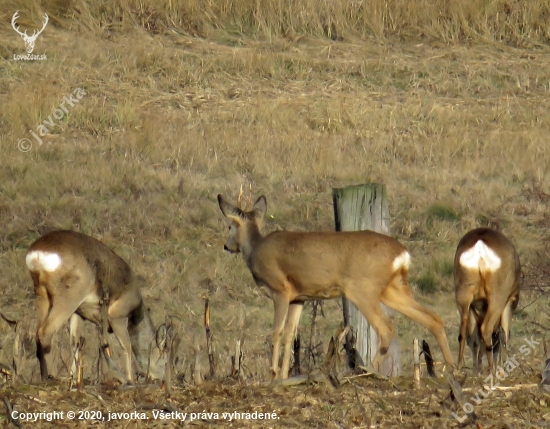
230,250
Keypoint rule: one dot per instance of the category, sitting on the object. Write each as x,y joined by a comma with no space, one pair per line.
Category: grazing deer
366,267
487,275
72,273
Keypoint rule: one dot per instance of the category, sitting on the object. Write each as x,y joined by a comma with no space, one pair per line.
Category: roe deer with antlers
72,273
365,266
487,275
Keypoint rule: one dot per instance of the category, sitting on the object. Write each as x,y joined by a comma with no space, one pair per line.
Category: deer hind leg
398,296
74,324
58,314
43,306
463,334
281,306
497,339
491,319
505,321
478,360
468,322
474,340
291,325
475,346
369,306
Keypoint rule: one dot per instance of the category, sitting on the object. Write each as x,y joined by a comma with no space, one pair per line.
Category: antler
35,33
244,201
248,198
43,26
240,198
15,16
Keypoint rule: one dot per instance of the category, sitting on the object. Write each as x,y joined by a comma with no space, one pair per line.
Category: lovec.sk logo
29,40
501,374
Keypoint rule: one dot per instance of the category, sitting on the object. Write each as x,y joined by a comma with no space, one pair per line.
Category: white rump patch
37,260
403,260
471,257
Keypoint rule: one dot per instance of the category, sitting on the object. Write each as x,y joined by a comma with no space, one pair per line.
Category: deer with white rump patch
366,267
487,275
72,273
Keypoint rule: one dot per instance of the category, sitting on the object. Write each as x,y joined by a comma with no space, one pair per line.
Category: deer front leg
292,320
120,330
281,305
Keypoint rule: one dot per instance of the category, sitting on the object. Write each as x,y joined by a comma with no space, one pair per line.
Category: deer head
245,224
29,40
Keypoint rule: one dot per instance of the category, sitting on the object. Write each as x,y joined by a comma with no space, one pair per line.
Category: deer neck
253,238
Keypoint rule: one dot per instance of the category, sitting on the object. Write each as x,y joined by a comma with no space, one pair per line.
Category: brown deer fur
366,267
71,273
487,275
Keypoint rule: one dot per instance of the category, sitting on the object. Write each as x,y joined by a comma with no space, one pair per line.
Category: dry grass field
447,103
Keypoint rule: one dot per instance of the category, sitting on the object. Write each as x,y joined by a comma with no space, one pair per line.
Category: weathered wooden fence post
358,208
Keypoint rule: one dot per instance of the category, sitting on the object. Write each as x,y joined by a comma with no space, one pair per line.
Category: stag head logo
29,40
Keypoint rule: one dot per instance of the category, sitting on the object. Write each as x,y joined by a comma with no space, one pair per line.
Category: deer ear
260,207
229,210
